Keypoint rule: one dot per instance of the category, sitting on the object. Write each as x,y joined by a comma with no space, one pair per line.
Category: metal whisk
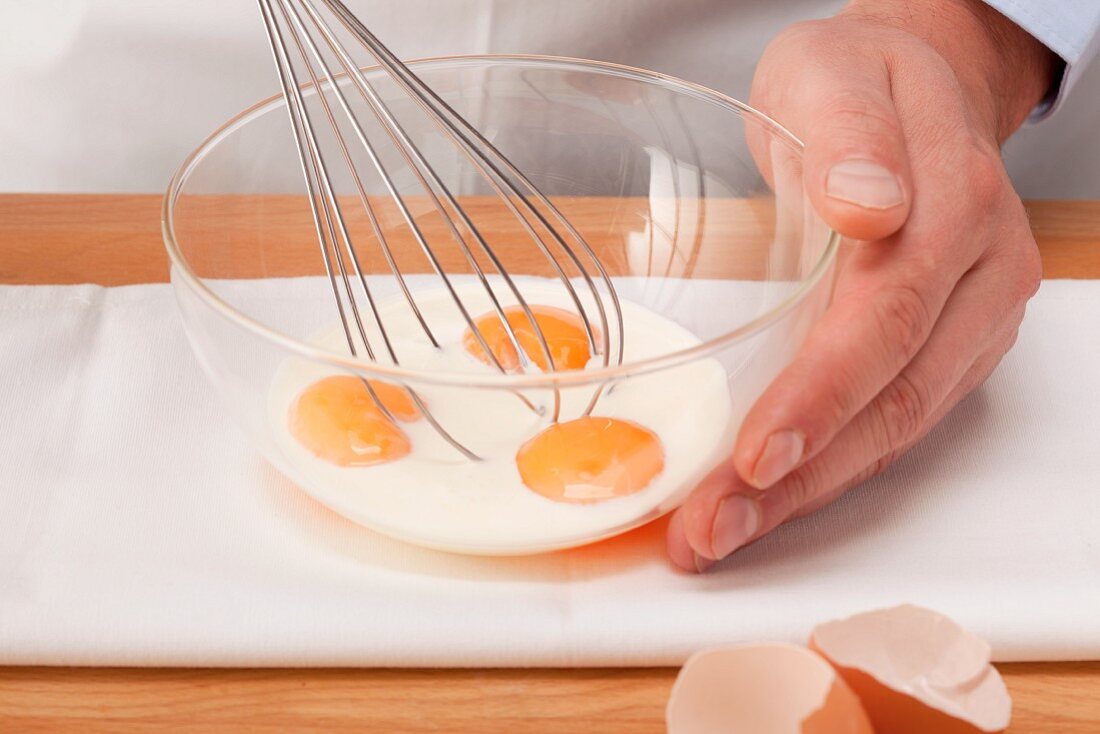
300,32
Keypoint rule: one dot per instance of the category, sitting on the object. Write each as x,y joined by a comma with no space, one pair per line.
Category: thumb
856,166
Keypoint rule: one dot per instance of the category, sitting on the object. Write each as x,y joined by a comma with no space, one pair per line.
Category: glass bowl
693,202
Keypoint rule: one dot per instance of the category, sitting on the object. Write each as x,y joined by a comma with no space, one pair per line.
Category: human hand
902,105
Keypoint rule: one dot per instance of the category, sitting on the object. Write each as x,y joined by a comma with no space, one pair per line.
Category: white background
109,95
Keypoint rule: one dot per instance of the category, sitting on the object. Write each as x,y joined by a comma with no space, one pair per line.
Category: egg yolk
590,459
338,421
564,332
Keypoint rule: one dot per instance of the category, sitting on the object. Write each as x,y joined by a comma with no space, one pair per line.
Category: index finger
887,301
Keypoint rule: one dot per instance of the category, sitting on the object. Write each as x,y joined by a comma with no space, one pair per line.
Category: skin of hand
902,106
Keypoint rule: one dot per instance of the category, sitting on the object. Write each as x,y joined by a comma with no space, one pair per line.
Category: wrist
1003,71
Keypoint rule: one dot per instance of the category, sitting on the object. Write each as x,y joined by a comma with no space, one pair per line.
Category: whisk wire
443,114
416,161
503,177
335,204
401,140
313,166
391,188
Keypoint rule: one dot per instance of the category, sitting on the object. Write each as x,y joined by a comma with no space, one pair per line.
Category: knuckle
1001,346
902,407
882,464
986,177
1029,274
888,459
838,406
790,42
903,318
862,115
978,373
834,405
799,489
800,35
775,80
872,470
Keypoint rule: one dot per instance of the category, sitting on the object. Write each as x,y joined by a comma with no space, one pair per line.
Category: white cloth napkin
138,527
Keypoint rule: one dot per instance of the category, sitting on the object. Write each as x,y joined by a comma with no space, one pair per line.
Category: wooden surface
1051,698
115,240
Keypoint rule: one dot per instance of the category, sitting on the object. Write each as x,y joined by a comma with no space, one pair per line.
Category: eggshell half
915,670
762,689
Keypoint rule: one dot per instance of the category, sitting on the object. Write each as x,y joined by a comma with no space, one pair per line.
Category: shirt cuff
1069,28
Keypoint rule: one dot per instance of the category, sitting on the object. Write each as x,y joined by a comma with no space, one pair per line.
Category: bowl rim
402,375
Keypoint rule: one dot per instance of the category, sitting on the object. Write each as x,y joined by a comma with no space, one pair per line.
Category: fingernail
863,183
737,520
702,563
782,452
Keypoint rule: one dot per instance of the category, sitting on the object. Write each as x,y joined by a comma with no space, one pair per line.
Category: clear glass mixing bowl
693,201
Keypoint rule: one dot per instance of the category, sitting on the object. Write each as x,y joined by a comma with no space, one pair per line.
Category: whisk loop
302,27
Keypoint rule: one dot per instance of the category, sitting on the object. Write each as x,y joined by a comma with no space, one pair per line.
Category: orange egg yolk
564,332
590,459
338,421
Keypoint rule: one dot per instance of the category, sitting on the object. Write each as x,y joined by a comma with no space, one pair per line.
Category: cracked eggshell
762,689
915,670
